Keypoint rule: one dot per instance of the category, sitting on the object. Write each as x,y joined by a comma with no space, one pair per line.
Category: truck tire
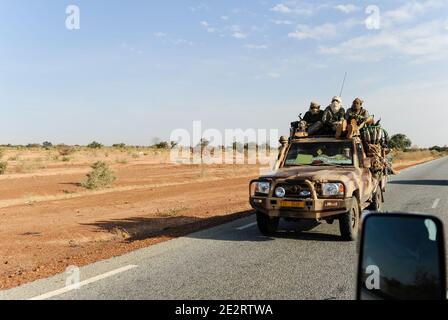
267,226
349,223
377,201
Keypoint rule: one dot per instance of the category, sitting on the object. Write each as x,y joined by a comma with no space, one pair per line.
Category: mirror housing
402,257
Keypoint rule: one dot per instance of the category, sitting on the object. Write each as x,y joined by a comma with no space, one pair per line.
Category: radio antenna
343,84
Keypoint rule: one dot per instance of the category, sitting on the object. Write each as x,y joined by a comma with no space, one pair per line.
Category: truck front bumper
312,209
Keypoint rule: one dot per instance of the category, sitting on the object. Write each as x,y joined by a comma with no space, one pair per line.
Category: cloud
346,8
424,42
225,18
410,11
239,35
281,8
199,7
166,39
256,46
268,75
207,26
282,22
182,41
298,8
303,31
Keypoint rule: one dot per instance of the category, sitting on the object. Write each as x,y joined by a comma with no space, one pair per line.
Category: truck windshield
320,154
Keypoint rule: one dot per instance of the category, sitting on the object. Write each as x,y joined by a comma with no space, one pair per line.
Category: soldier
313,118
334,117
357,118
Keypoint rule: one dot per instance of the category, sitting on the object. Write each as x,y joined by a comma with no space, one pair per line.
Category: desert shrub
33,145
162,145
47,145
65,150
119,145
65,159
101,176
94,145
3,167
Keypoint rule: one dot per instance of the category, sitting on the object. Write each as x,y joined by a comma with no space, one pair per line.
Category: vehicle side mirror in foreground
402,257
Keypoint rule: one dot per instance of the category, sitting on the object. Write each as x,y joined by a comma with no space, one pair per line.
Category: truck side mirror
402,257
367,163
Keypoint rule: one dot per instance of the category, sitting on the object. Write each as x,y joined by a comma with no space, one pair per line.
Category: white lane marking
83,283
250,225
435,204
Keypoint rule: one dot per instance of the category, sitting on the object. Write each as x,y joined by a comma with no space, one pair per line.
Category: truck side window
360,151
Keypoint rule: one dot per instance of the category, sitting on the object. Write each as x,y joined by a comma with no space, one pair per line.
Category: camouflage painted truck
322,179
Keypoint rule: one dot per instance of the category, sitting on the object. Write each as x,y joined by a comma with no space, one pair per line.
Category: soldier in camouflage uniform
357,118
334,117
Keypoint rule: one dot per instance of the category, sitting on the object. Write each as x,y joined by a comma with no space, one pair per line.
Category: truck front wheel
267,226
349,222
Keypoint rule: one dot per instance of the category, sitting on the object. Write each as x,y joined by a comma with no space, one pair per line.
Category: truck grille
298,190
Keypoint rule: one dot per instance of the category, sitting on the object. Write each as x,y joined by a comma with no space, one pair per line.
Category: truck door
366,179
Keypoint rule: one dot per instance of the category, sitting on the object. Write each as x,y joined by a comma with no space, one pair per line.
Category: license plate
292,204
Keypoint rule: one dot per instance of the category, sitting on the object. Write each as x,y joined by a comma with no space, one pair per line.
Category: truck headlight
262,187
333,189
280,192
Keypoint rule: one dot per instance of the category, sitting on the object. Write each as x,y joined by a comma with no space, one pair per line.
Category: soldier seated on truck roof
313,119
357,118
334,118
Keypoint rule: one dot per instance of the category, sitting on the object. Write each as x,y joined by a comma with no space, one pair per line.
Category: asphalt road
234,261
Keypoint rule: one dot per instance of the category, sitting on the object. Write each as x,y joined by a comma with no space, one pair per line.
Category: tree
162,145
204,143
47,145
94,145
400,142
119,145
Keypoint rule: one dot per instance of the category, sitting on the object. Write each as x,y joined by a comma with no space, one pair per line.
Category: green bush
94,145
47,145
101,176
163,145
400,142
3,167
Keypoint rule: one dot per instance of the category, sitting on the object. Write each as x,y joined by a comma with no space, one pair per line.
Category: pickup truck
319,178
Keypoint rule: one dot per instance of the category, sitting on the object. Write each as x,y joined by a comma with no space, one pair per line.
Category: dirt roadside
48,222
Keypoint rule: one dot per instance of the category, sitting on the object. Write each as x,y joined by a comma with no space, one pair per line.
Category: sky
138,69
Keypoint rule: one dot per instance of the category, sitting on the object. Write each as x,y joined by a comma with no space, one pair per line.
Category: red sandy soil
49,222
